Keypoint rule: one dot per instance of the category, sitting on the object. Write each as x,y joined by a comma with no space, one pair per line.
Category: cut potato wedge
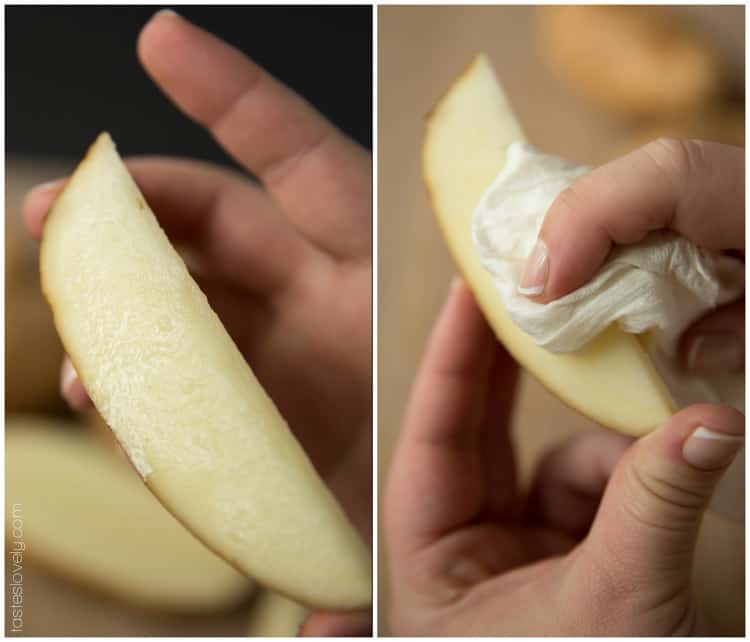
181,399
85,515
612,380
274,616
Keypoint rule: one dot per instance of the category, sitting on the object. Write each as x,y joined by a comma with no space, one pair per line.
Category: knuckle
678,159
567,203
656,501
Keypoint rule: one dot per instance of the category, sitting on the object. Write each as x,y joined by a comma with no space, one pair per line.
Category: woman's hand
694,188
603,544
285,261
471,556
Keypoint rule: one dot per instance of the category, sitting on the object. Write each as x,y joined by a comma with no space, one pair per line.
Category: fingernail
68,375
72,389
46,187
41,191
167,12
711,353
455,282
710,450
535,271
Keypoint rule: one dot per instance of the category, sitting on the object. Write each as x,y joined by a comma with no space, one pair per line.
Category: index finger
228,222
694,188
438,477
317,174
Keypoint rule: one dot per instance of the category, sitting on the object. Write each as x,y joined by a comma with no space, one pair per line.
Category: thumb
645,531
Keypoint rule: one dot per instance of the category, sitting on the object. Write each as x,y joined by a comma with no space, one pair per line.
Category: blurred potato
629,60
77,511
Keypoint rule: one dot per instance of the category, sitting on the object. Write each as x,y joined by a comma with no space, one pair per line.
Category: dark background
72,72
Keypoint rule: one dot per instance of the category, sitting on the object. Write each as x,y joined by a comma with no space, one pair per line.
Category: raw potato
632,60
612,380
86,515
181,399
274,616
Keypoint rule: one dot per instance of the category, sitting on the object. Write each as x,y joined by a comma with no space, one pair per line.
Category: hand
694,188
470,556
286,262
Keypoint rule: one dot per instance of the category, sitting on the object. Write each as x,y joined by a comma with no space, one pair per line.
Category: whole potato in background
632,61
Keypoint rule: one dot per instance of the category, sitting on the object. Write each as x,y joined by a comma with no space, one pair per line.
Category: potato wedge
274,616
181,399
612,380
83,513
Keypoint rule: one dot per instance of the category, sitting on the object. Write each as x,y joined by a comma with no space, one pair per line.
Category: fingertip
71,388
547,273
143,42
328,624
535,273
459,293
166,13
163,16
458,297
456,283
460,313
714,354
151,39
716,343
709,449
713,443
576,246
700,436
37,204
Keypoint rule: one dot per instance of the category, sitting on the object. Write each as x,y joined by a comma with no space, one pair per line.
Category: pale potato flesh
181,399
85,515
274,616
612,380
